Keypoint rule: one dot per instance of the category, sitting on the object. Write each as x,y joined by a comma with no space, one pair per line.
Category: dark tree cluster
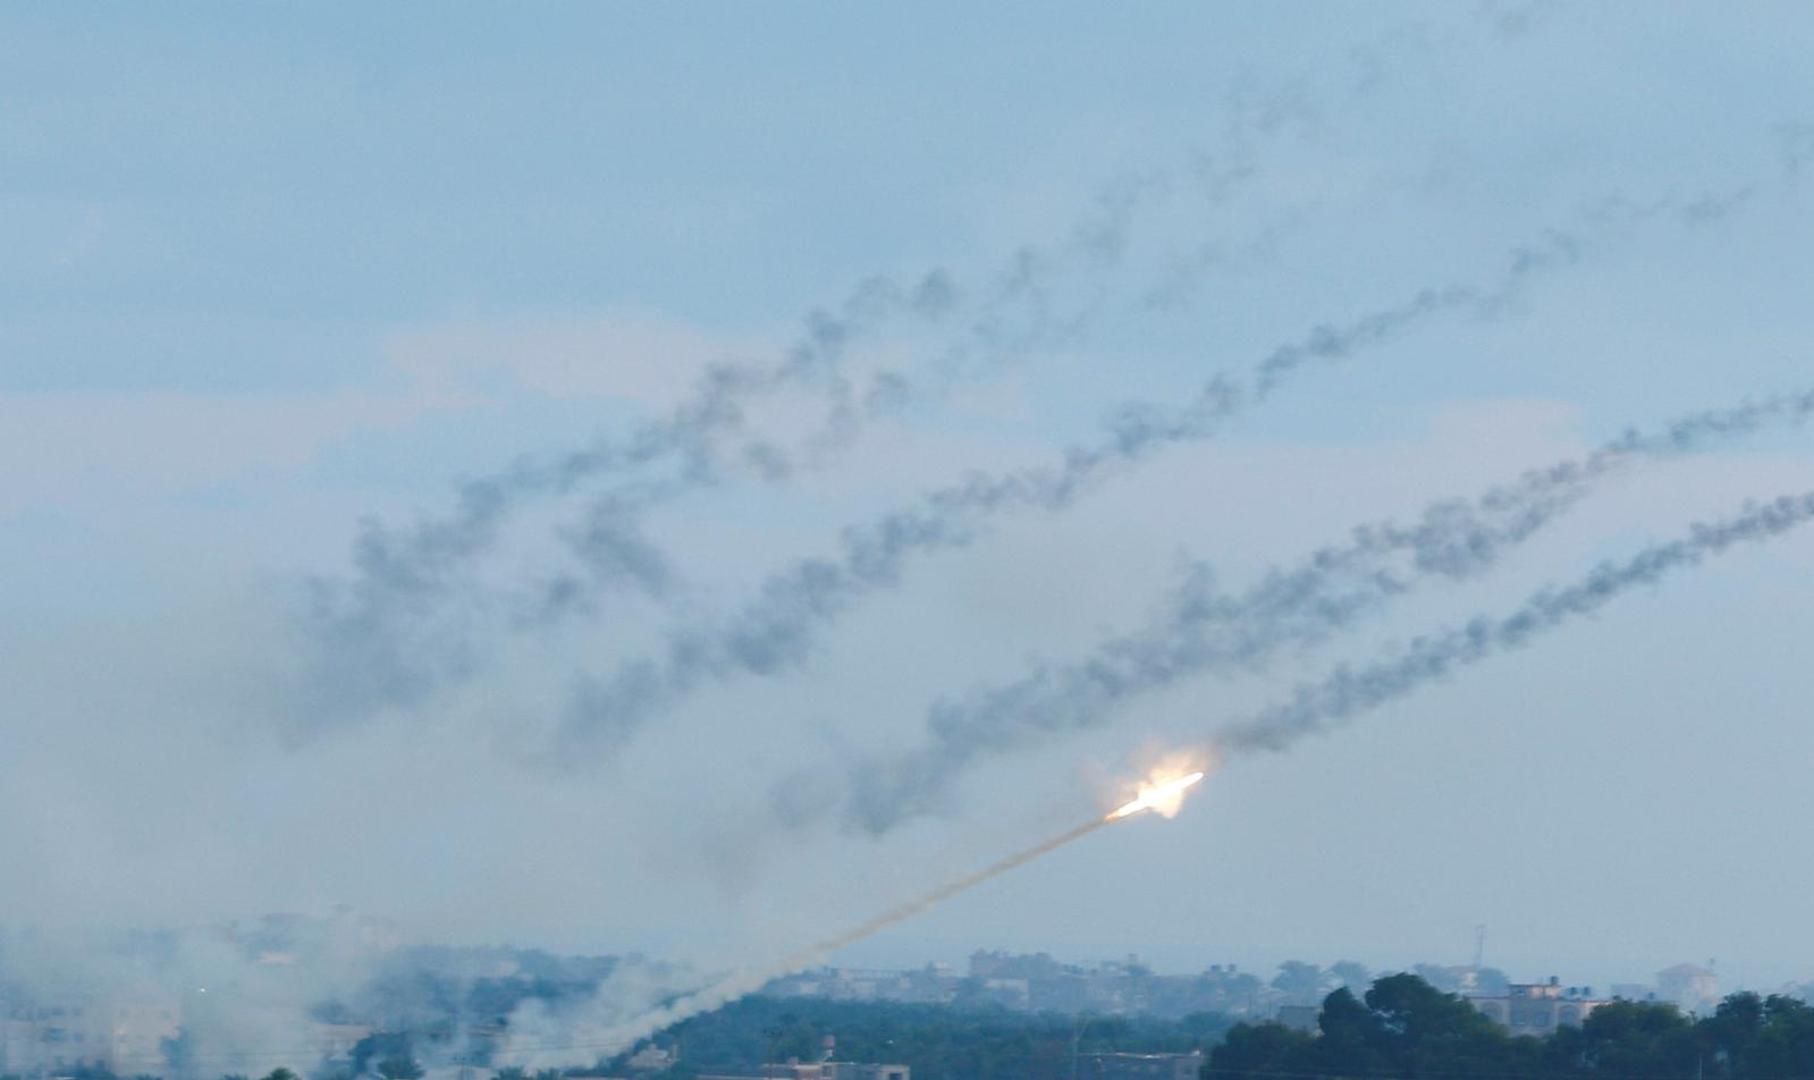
1404,1027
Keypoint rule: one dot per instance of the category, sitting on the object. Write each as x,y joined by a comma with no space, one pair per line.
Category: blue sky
272,271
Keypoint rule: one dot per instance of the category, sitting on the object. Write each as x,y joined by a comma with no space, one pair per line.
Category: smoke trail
742,983
1318,706
776,631
386,636
1199,631
1795,148
396,629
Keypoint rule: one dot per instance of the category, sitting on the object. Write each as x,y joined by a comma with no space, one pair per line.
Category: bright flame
1165,796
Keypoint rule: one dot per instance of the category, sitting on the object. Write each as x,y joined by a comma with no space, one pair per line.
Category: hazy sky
271,272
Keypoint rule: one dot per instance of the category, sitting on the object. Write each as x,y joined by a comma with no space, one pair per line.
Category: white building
1538,1008
1689,987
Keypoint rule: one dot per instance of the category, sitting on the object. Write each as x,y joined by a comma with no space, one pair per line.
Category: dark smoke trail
1200,632
1319,706
776,631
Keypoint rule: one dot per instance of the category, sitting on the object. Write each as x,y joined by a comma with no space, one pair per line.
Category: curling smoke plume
1199,631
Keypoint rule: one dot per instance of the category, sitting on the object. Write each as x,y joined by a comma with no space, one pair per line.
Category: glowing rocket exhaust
1165,797
1162,794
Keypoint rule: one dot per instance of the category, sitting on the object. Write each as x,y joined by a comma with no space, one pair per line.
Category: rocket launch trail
1162,795
944,892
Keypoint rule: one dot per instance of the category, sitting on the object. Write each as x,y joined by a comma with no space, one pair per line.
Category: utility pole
1077,1042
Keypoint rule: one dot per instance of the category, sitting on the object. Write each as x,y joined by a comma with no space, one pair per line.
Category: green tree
1766,1039
1404,1028
1632,1038
1733,1031
1353,1035
1261,1050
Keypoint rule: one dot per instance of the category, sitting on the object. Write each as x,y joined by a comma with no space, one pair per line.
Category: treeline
1401,1026
1404,1027
939,1042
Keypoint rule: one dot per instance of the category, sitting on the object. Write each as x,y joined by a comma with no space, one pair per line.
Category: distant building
1008,993
935,984
987,964
819,1070
824,1069
1468,980
1036,982
1538,1008
1689,987
124,1036
1141,1066
1300,1017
